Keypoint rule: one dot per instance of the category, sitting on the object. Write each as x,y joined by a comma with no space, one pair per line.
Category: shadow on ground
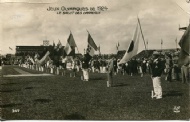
173,93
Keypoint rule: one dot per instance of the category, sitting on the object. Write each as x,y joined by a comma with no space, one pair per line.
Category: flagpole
84,50
161,44
176,43
141,32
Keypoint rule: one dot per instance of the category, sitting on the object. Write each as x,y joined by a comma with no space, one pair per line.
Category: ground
63,97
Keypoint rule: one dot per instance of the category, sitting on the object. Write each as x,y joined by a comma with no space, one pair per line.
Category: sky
28,22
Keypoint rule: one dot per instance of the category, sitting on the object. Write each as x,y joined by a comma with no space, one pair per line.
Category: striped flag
91,48
68,49
70,44
133,46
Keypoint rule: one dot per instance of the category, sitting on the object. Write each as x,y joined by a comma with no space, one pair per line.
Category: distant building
41,50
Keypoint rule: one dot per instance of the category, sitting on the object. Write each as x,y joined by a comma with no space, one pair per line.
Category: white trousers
157,86
93,69
51,70
78,68
85,74
101,69
104,70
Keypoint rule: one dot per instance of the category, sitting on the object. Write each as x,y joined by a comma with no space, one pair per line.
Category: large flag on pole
184,57
70,44
68,49
133,46
91,48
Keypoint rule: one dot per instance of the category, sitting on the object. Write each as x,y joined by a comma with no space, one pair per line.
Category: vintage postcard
94,59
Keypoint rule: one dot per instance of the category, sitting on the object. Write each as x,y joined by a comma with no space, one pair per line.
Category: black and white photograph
95,60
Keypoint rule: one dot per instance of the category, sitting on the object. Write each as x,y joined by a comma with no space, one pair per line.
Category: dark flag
184,56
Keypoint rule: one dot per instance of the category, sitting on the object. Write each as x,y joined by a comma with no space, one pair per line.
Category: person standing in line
169,65
184,72
92,65
156,71
85,66
114,65
110,72
63,63
101,65
74,68
176,67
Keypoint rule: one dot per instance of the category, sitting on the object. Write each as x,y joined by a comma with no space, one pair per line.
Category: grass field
64,97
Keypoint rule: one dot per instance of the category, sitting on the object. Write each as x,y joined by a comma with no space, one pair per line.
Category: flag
161,41
133,46
117,46
91,48
10,48
59,45
183,28
71,40
70,44
36,56
31,59
184,57
44,57
68,49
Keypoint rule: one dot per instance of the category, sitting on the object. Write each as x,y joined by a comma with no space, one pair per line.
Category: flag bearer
157,69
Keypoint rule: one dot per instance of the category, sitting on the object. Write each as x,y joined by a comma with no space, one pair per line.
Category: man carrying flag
91,48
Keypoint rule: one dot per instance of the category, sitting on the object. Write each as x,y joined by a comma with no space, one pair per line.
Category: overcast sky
23,23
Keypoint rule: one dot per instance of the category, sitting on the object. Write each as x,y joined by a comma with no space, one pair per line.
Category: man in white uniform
156,70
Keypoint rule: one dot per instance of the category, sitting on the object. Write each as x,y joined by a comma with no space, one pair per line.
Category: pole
141,33
176,43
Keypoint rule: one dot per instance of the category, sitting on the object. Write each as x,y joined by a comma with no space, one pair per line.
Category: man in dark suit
156,71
